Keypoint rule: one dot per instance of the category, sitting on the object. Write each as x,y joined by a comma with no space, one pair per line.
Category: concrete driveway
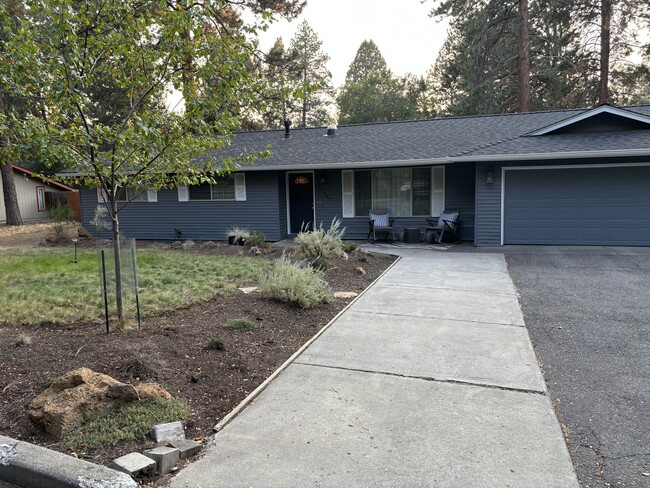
588,314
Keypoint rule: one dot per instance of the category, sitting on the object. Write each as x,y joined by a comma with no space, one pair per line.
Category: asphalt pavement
429,379
588,314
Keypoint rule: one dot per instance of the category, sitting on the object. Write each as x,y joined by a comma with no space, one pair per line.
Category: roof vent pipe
287,129
332,131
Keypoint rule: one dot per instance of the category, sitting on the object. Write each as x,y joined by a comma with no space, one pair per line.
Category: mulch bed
170,349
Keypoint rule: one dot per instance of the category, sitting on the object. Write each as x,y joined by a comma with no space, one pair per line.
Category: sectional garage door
577,206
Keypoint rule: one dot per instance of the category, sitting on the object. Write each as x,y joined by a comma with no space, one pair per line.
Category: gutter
624,153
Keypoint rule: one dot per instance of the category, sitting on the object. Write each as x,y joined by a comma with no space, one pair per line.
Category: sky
407,37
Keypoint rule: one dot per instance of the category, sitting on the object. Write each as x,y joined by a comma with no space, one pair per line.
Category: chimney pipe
331,131
287,129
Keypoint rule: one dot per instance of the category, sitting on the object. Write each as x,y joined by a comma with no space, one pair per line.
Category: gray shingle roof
427,140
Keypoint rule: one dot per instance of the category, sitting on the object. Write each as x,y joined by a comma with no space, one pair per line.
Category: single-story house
578,177
35,195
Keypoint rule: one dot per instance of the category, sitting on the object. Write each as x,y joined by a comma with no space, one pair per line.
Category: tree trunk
119,298
304,98
9,190
523,59
605,28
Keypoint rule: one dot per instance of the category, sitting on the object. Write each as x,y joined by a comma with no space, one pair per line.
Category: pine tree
310,62
367,61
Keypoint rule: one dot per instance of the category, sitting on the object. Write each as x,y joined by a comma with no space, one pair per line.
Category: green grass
43,285
243,324
131,421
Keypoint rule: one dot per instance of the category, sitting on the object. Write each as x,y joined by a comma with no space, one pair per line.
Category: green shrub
319,245
303,287
215,345
256,239
59,213
131,421
243,324
349,247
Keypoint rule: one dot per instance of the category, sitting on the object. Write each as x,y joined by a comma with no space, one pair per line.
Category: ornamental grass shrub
303,287
319,245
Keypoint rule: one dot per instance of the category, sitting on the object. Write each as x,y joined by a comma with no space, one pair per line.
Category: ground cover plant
257,334
47,287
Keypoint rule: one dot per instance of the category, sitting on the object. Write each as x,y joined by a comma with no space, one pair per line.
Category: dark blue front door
301,201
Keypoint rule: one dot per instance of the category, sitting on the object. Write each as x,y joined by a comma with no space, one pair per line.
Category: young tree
143,47
310,62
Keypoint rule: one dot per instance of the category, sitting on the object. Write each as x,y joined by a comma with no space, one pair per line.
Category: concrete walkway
428,380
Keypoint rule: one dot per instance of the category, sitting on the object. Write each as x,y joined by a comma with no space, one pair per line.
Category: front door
301,201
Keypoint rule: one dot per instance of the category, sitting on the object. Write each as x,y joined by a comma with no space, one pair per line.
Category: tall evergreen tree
367,61
315,92
372,93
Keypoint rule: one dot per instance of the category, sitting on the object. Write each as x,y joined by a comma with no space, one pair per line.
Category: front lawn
44,285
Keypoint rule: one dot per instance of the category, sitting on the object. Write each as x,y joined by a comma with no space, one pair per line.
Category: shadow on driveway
589,319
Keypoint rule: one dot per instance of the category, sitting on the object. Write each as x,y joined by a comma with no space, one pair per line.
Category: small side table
411,235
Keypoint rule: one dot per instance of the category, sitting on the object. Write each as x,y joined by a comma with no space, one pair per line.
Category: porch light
489,175
301,180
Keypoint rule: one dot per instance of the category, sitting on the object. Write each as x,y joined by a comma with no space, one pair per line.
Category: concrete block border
27,465
256,392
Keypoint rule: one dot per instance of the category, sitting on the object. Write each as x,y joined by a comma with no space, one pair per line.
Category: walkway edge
256,392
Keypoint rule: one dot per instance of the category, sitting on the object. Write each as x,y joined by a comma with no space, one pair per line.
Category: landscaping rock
169,432
188,245
186,447
360,270
165,458
248,289
345,294
81,232
134,464
152,391
79,396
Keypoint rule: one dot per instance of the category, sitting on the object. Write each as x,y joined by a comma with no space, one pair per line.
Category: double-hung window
406,192
223,189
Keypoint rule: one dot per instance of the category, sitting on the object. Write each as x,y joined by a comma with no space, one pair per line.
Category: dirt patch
32,235
171,349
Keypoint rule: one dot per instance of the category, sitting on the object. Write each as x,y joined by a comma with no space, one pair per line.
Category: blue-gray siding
266,209
200,220
488,195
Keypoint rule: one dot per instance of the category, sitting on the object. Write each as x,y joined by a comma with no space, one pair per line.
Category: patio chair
447,223
380,221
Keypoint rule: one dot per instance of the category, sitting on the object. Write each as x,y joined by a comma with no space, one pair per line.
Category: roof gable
601,119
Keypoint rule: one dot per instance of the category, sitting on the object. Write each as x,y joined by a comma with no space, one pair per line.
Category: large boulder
81,395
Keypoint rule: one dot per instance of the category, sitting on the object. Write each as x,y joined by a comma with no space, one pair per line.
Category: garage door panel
590,206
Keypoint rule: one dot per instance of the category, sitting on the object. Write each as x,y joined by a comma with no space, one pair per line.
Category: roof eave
627,114
345,165
552,155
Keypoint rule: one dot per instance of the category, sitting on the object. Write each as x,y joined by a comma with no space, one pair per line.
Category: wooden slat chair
380,221
447,223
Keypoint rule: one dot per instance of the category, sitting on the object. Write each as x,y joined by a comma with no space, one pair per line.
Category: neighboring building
34,195
558,177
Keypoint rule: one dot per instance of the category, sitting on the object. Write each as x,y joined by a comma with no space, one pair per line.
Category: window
133,195
407,192
224,189
40,198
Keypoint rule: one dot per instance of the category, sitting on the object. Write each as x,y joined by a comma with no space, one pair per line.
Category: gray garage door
589,206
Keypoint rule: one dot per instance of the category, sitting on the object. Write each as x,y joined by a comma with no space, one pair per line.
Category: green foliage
47,287
350,246
373,94
215,345
256,239
315,86
302,287
131,421
319,245
243,324
59,213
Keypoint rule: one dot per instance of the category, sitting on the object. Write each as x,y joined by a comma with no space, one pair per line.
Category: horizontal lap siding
200,220
459,195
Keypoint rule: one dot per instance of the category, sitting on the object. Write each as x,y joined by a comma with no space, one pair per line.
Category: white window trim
239,191
350,193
